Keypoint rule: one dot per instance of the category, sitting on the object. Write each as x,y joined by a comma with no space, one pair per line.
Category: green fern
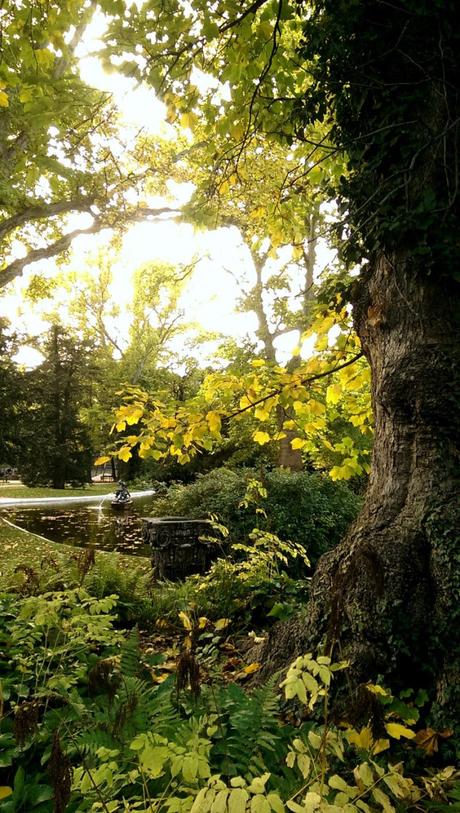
136,707
90,741
251,722
130,654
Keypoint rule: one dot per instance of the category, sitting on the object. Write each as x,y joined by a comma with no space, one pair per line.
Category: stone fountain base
177,551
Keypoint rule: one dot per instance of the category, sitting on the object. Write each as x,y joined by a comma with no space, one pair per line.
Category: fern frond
130,654
253,729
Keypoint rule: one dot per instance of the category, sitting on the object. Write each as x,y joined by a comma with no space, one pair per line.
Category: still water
83,525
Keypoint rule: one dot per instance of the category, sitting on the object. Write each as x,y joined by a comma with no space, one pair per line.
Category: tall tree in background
278,215
11,394
56,447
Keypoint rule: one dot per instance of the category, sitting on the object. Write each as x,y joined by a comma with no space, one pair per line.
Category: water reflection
84,525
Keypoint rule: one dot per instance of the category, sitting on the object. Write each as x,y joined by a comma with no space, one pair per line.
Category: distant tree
11,385
55,443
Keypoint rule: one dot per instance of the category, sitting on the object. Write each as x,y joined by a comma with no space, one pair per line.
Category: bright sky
210,297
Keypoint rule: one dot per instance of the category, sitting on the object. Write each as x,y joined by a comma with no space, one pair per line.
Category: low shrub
309,508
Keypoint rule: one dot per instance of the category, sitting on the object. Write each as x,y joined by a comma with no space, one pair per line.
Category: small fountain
177,549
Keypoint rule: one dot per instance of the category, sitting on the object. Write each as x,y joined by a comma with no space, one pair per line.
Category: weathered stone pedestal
176,548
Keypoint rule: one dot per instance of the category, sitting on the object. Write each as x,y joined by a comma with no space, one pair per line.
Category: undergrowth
99,712
87,726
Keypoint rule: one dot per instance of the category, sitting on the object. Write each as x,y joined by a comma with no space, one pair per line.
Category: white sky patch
333,335
285,345
28,357
138,104
308,346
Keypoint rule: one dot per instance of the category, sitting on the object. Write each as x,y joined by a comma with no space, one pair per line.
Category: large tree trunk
388,597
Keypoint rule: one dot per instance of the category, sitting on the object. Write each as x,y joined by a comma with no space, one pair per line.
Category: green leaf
237,800
260,804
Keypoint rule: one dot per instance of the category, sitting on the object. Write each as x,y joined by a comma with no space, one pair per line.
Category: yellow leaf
398,785
251,668
298,443
3,99
237,800
143,448
277,238
396,730
44,57
237,131
382,799
101,460
380,745
316,407
185,620
134,415
362,739
214,422
341,473
257,214
245,402
261,437
376,689
289,424
222,624
262,414
189,120
333,393
365,774
5,791
124,453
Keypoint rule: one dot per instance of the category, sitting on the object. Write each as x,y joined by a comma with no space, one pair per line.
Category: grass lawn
8,490
23,548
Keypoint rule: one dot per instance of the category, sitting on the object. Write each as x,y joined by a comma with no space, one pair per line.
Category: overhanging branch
302,381
16,267
43,212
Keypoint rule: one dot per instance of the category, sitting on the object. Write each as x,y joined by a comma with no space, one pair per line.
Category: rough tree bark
388,597
390,592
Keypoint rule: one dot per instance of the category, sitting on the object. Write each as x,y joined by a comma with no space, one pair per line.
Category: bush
308,508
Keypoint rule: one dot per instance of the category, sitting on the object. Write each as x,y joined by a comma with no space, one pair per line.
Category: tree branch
302,381
43,212
250,10
15,268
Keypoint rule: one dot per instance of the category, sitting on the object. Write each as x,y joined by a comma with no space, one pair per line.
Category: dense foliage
93,719
308,508
396,119
362,98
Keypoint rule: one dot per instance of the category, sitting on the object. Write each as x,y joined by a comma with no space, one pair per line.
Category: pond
86,524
